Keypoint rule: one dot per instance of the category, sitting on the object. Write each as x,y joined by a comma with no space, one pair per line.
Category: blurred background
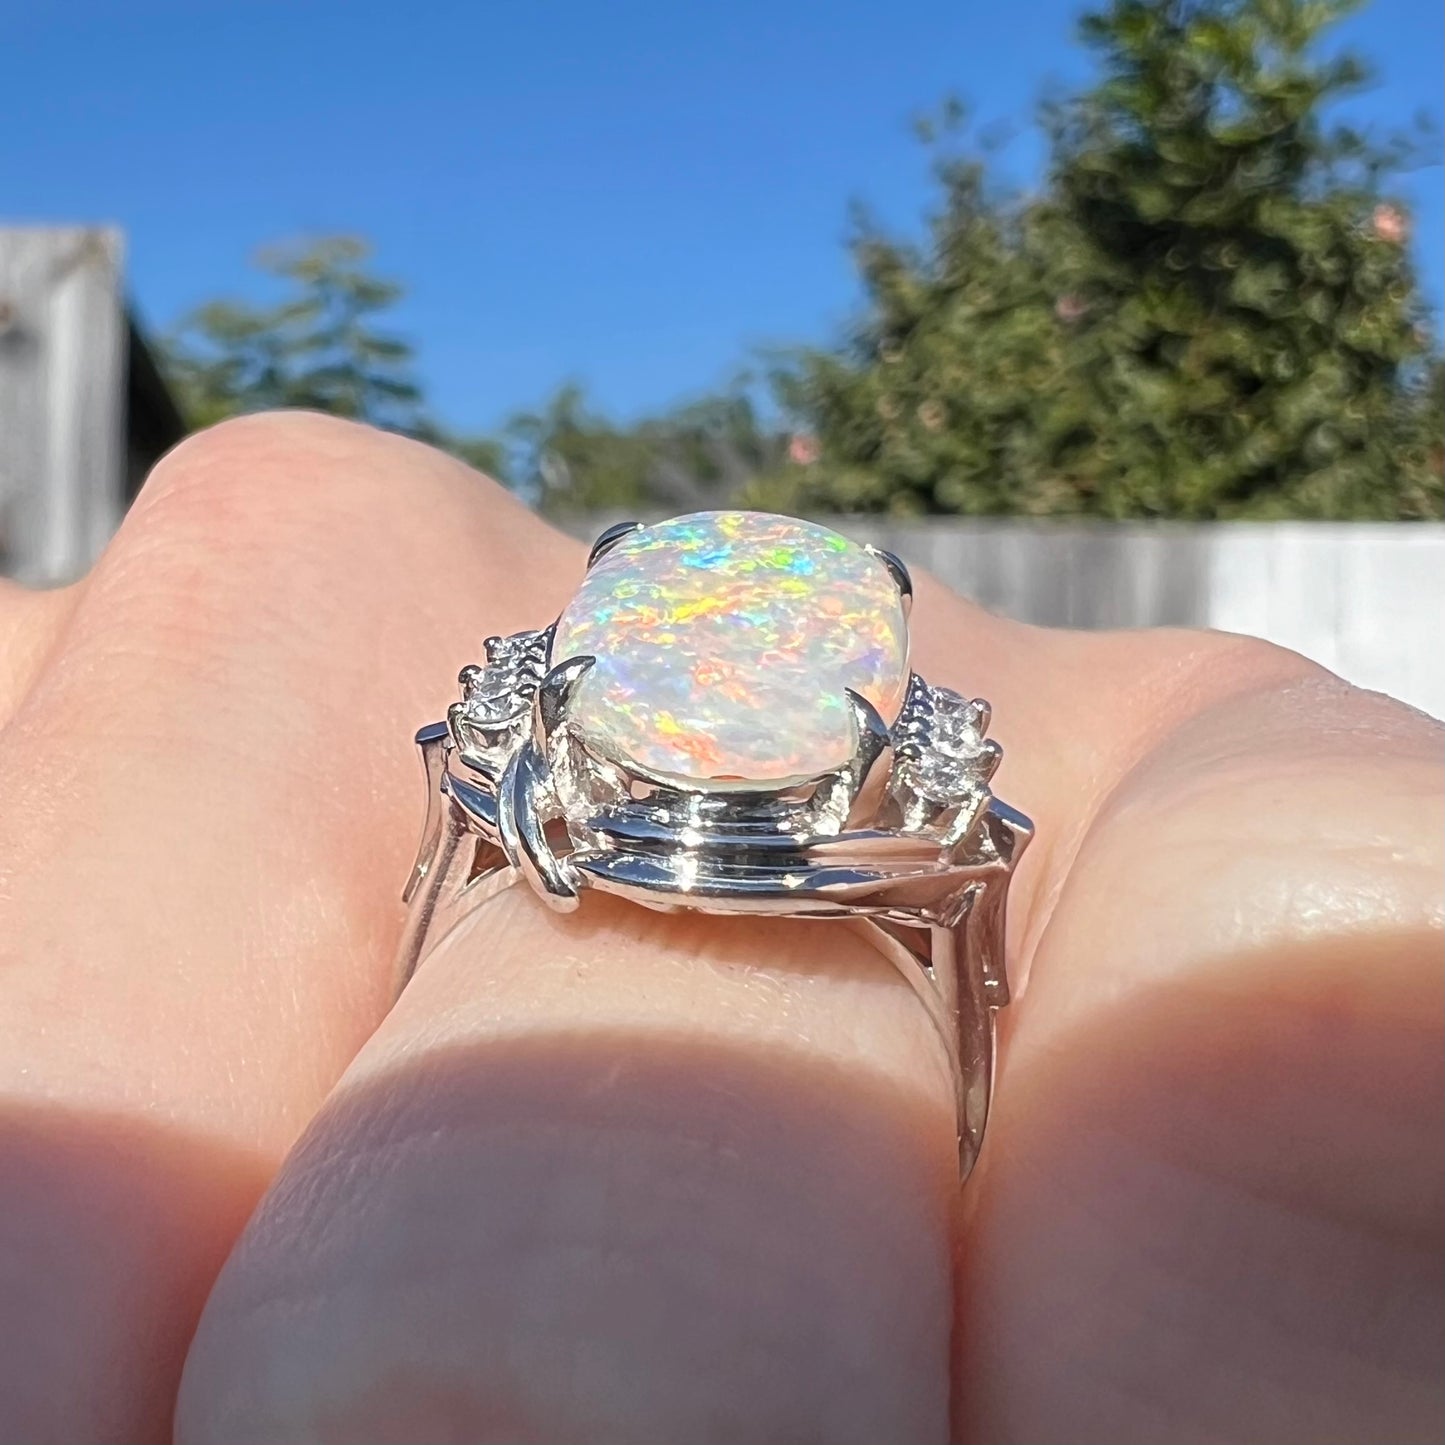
1123,314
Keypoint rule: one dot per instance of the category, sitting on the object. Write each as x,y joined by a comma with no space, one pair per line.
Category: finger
607,1177
630,1177
1074,712
209,797
30,623
1211,1204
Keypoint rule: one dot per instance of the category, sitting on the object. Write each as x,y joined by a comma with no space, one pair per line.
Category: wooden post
63,335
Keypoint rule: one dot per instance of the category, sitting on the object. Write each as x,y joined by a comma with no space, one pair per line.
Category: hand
623,1176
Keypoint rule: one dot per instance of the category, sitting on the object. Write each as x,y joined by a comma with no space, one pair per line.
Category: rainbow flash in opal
724,643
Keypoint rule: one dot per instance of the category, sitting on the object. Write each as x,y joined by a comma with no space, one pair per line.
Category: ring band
723,720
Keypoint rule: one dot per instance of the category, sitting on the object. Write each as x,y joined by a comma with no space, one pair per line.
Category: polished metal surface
905,842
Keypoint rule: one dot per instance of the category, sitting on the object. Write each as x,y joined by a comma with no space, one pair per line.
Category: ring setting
724,720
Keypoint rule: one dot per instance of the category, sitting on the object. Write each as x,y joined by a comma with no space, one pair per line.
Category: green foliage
1207,312
319,346
707,454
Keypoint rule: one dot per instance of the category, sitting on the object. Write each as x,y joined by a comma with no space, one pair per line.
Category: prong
899,573
990,755
524,839
983,712
966,817
608,540
469,675
872,761
553,696
461,728
470,743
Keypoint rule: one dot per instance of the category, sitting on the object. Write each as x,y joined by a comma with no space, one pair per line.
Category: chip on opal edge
724,644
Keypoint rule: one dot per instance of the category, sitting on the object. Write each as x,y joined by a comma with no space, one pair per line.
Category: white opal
725,642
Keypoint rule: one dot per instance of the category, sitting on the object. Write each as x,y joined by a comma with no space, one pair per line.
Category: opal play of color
724,643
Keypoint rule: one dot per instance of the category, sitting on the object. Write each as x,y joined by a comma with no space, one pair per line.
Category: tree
1207,312
322,345
709,453
570,457
317,347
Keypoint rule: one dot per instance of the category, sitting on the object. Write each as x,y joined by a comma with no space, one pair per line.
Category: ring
723,719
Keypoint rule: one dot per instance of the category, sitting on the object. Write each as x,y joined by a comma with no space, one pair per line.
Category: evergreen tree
1208,312
323,346
318,347
708,453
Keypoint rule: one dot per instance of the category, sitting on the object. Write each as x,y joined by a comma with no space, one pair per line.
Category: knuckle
258,471
286,496
1257,657
263,520
262,514
1213,665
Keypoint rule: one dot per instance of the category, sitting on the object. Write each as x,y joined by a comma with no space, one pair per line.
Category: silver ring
724,720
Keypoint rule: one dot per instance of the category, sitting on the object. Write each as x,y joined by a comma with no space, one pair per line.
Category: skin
619,1176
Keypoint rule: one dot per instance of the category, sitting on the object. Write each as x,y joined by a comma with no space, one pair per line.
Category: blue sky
633,193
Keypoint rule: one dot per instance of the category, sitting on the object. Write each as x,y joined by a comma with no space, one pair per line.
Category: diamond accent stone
954,728
511,652
498,694
725,643
493,698
939,776
943,768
